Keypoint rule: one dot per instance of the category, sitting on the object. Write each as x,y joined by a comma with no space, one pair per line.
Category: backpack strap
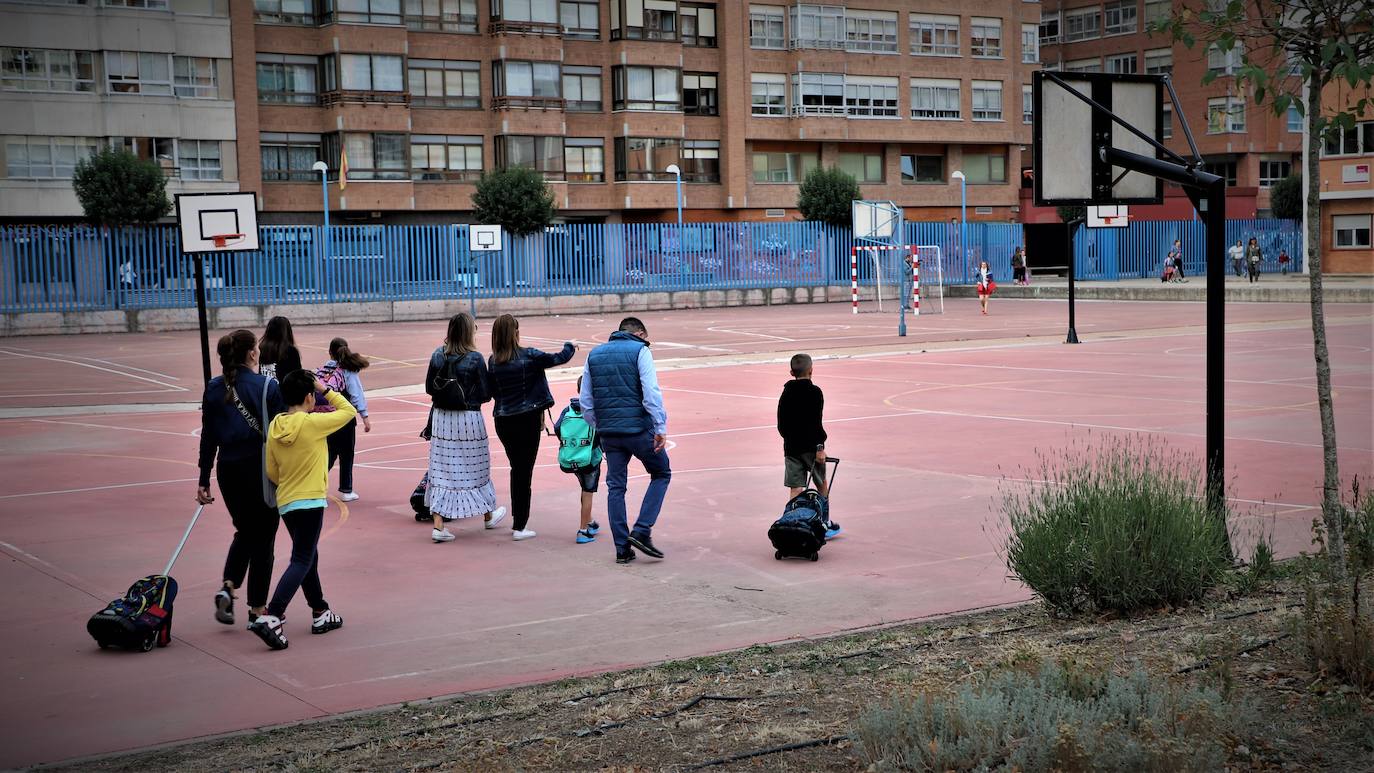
245,413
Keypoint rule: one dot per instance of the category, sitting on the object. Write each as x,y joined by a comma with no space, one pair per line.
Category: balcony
331,98
446,175
528,103
535,28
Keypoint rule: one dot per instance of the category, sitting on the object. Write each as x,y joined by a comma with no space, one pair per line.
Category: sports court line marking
170,387
113,364
504,627
113,427
98,488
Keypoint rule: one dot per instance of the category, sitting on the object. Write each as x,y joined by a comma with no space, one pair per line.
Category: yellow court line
343,516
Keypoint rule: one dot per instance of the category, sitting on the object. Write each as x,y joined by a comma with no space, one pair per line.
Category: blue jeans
619,449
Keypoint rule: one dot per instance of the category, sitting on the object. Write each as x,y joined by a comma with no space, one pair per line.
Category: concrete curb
1092,291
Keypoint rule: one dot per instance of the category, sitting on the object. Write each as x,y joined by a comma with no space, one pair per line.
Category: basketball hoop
221,240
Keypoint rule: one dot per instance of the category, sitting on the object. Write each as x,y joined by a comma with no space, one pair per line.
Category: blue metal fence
71,268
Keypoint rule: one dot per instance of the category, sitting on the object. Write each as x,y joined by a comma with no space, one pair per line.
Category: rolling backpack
800,532
578,449
142,617
417,500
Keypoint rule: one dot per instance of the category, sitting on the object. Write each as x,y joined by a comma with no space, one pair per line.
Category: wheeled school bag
800,532
417,500
142,617
577,446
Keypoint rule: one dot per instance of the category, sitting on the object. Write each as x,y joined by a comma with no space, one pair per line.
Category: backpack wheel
815,556
148,643
777,555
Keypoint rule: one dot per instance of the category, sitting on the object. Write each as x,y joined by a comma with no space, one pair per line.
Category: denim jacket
471,372
520,386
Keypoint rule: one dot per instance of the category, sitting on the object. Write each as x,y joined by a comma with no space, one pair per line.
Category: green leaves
1285,198
117,188
827,195
517,199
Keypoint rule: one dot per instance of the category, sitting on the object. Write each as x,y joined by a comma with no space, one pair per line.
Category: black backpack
448,390
140,619
800,532
417,500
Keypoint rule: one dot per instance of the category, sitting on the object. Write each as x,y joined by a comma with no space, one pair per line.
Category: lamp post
963,216
323,169
676,172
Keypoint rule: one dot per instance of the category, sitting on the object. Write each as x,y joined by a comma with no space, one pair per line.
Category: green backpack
577,446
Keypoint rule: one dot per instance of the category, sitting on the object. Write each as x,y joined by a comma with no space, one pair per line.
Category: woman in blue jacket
521,392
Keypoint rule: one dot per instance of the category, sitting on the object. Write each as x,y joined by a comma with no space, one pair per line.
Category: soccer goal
889,264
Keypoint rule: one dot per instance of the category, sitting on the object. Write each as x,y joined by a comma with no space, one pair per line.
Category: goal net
884,268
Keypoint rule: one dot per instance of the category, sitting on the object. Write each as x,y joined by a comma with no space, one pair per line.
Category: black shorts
589,479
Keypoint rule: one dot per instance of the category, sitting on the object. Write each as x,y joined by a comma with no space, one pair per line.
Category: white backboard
875,219
1108,216
202,216
484,238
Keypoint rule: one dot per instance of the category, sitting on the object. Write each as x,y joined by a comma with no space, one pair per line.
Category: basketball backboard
1071,138
876,220
484,238
1109,216
218,222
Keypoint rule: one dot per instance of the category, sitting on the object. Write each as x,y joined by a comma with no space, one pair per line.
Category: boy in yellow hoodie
298,462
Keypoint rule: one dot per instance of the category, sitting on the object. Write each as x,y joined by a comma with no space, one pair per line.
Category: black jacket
471,372
290,362
799,417
224,431
520,386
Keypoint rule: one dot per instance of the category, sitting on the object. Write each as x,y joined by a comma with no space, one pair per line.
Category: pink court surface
99,449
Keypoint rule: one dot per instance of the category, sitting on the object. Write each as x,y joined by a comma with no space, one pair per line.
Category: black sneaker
271,630
645,545
626,557
224,607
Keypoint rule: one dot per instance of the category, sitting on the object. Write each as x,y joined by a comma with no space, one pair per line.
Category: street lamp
676,171
323,169
963,216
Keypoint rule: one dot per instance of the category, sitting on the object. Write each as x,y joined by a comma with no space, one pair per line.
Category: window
364,73
870,97
645,88
818,93
131,72
1271,170
1082,23
536,13
639,159
199,160
1294,119
1030,44
582,89
442,15
644,19
584,158
289,156
923,169
987,100
865,167
542,154
1225,115
1224,62
284,12
195,77
444,83
526,84
701,161
768,93
1119,17
985,168
935,99
376,156
1349,142
159,150
1351,231
1159,61
1124,64
1049,27
985,37
363,12
777,167
1168,121
1083,65
1157,10
699,94
154,5
699,25
46,157
766,27
933,35
817,26
581,19
439,157
287,78
873,32
41,69
1223,167
1027,105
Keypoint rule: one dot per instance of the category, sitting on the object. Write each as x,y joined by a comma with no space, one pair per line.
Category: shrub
1338,618
1057,719
116,188
1285,199
828,195
516,198
1120,525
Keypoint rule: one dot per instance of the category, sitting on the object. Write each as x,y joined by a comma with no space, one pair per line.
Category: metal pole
681,243
1073,331
324,240
1214,217
963,220
199,263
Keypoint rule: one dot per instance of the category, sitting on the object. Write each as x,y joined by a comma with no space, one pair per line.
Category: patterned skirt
459,466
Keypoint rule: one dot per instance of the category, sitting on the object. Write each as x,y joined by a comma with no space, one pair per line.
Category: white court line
88,394
97,488
172,387
114,364
115,428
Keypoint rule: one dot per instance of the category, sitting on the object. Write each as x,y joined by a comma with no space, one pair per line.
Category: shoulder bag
269,489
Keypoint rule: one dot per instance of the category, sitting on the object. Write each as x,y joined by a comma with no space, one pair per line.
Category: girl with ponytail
343,367
277,354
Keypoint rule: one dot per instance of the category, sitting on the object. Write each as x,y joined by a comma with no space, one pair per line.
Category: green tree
517,199
1289,52
1285,198
827,195
116,187
1068,214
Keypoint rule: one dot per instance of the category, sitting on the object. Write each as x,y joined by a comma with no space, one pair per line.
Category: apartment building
1346,190
151,76
601,96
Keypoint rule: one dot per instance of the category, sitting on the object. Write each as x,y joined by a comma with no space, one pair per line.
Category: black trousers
342,444
303,573
255,528
519,435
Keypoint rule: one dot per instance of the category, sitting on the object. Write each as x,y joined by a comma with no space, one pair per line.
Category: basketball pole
198,261
1072,337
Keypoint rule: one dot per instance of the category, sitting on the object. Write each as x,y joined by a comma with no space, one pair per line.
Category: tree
1285,198
517,199
1068,214
827,195
116,187
1289,52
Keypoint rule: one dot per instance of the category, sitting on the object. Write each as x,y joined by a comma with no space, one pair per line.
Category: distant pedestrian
1284,260
1253,256
1018,266
801,414
1176,254
984,285
1237,255
277,353
341,373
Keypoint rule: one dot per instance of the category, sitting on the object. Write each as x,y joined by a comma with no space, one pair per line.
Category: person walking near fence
1176,255
340,373
1018,266
1284,260
984,285
1237,256
621,399
521,391
1253,256
277,353
459,457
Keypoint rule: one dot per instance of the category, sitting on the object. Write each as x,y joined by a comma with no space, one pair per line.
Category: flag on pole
343,169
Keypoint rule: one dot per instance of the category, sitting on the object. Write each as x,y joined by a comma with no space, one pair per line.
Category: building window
46,158
766,29
818,93
873,32
934,35
701,161
542,154
284,12
817,26
1082,23
199,160
526,16
376,156
1030,44
439,157
444,83
1049,28
442,15
288,78
1124,64
363,12
1157,10
777,167
370,76
1271,170
935,99
644,19
289,156
582,89
526,84
645,88
1354,141
985,168
581,19
1083,65
768,93
641,159
1119,17
131,72
43,69
1224,62
699,26
985,37
152,5
987,100
1294,119
1351,231
159,150
870,97
918,168
1225,168
584,158
1027,105
195,77
864,167
1159,61
1226,115
699,94
1168,120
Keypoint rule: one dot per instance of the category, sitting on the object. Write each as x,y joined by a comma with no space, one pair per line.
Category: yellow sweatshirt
297,457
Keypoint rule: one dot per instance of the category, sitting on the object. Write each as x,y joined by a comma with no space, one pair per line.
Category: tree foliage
517,199
1285,198
116,188
1070,213
827,195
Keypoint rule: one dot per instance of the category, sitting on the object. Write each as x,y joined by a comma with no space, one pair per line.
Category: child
1283,261
341,372
800,409
579,452
296,462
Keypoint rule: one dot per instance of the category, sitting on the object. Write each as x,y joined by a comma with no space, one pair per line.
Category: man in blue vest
621,398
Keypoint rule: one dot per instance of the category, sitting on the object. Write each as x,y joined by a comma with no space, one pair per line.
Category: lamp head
674,169
320,166
957,175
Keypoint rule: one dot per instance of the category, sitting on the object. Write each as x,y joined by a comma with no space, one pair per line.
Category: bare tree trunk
1333,512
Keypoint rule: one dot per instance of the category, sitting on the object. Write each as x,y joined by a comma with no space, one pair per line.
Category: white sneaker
326,621
523,534
442,535
351,496
496,516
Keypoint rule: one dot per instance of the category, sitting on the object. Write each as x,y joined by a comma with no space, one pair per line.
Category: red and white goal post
889,265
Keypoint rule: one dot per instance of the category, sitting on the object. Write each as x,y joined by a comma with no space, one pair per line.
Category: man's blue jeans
619,449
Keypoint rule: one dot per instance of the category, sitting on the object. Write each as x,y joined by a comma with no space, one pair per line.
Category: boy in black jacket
800,409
